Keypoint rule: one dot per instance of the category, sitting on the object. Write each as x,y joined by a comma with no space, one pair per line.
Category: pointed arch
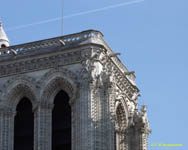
121,125
59,88
24,125
56,80
122,115
17,88
61,122
15,91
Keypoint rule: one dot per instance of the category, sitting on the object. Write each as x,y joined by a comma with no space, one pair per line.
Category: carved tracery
56,80
18,87
121,121
121,126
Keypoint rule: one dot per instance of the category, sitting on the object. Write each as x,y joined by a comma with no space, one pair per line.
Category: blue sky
152,36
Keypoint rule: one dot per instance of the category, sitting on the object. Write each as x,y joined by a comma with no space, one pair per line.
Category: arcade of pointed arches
121,124
24,99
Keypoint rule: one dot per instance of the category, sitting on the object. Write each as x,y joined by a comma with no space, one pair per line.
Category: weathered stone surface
103,94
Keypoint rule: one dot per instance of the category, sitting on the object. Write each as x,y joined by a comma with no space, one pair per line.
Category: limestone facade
103,94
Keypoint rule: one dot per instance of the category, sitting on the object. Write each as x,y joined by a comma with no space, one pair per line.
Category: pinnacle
3,37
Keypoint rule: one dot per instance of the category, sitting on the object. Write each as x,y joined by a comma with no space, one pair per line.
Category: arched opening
3,46
120,114
120,124
61,122
24,126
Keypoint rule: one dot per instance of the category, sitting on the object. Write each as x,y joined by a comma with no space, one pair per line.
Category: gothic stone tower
68,93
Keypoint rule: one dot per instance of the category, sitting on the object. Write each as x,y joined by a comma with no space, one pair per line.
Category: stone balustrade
29,47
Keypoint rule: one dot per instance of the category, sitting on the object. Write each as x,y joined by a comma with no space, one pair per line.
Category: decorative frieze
40,63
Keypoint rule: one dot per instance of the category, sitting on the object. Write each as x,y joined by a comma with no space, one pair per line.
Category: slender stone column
143,139
139,139
122,140
74,128
141,131
131,142
127,137
100,116
6,129
136,138
81,118
109,120
43,126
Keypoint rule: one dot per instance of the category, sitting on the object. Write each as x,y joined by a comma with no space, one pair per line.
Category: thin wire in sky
62,16
74,15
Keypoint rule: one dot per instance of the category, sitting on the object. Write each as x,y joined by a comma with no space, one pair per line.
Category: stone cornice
122,82
116,60
54,45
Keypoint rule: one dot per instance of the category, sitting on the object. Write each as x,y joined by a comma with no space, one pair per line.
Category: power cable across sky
74,15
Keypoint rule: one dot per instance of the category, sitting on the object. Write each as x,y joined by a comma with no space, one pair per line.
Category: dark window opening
3,45
61,122
24,126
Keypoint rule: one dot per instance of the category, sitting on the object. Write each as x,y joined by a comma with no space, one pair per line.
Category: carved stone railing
33,46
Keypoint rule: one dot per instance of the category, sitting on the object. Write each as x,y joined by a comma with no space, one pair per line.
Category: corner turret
4,42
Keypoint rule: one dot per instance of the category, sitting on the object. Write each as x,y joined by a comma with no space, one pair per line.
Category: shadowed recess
61,122
24,126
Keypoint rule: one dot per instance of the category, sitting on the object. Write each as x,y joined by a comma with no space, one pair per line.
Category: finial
4,42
